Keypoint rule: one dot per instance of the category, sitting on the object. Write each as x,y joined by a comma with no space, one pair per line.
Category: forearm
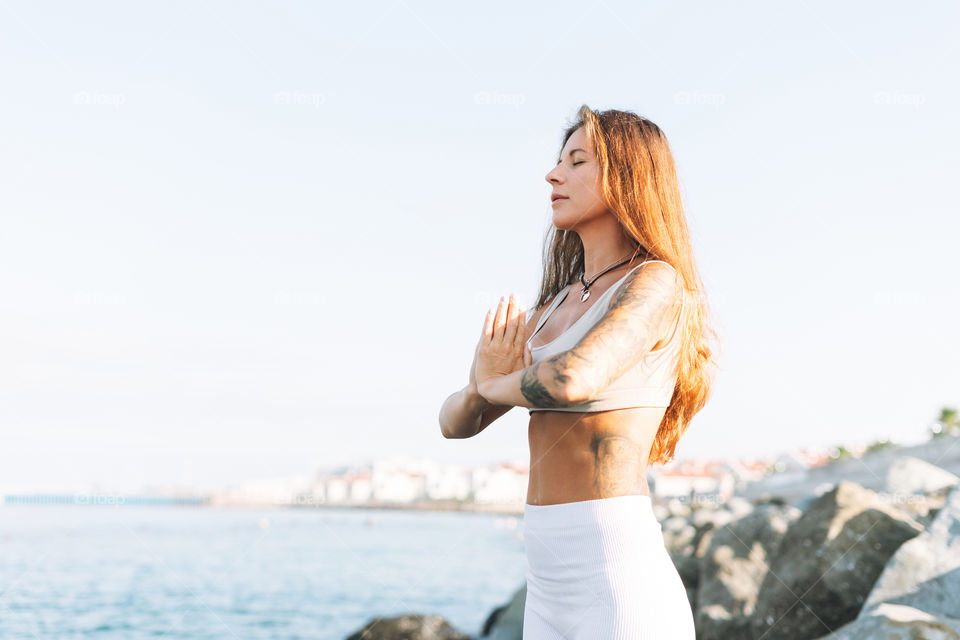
539,385
461,414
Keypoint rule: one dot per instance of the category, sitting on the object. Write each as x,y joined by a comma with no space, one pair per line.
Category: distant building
504,483
265,491
393,483
450,482
693,481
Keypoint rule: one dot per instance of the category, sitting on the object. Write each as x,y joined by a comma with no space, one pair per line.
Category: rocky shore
847,561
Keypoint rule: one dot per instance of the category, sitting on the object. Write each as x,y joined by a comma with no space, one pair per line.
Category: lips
556,196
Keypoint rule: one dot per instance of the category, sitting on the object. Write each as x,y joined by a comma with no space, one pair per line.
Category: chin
571,221
566,220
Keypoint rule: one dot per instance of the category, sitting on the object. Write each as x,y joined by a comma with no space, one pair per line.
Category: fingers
507,323
514,318
488,327
499,324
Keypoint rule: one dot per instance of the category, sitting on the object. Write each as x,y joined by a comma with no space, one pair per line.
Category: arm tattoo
640,311
538,393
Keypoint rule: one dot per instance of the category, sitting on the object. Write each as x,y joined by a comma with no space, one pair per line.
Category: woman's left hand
503,349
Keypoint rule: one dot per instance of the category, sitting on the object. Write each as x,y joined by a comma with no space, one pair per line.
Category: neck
602,250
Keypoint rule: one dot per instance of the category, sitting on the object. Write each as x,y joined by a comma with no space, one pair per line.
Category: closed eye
581,162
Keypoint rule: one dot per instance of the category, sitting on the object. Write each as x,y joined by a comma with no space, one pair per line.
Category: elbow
443,430
452,421
571,391
570,397
447,435
450,435
453,436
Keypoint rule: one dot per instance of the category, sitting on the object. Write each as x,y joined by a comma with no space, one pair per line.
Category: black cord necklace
585,291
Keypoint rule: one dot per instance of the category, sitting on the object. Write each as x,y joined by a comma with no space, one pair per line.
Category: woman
611,376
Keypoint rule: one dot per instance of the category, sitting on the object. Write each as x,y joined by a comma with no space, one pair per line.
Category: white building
504,483
449,482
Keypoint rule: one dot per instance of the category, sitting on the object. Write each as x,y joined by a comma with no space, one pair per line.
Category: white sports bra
650,383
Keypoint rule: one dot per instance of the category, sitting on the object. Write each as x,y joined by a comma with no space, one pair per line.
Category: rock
827,563
733,567
660,512
714,517
738,506
685,548
921,507
925,571
908,475
678,535
869,470
898,622
677,507
409,627
506,622
688,567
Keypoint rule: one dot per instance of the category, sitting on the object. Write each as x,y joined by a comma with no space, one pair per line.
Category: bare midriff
590,455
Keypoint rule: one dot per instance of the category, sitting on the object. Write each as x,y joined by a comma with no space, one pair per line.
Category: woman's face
576,176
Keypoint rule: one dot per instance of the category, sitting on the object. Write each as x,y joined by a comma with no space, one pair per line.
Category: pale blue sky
246,239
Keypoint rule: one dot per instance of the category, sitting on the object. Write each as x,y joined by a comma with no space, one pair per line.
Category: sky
246,240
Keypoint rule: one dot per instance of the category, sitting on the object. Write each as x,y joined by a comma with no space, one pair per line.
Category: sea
107,571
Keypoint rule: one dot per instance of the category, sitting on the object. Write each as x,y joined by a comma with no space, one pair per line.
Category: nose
552,177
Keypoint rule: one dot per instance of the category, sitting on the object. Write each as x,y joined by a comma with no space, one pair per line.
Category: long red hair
641,188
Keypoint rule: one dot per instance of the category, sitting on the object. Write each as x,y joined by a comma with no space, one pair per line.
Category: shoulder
653,285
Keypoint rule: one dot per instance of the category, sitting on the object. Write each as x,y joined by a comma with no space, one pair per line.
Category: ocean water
109,571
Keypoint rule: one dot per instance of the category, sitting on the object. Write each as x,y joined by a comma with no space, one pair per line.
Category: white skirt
599,570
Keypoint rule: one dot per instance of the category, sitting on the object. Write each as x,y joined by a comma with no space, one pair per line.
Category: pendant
585,295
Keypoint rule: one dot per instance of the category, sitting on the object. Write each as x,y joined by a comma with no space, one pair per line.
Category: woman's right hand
473,370
525,359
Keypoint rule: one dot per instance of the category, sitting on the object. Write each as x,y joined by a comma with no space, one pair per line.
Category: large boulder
733,567
685,543
922,507
908,475
898,622
409,627
827,563
506,622
686,535
925,572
